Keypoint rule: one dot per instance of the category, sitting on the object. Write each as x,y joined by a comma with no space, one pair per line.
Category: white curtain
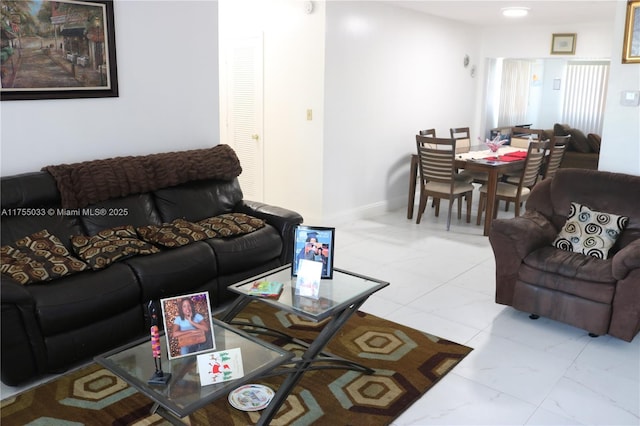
514,91
585,94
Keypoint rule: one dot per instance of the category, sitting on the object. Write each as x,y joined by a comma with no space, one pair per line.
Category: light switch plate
630,98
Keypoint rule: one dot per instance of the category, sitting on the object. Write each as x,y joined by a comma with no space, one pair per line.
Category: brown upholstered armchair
601,296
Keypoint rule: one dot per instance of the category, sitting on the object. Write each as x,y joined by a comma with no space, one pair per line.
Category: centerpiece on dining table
494,144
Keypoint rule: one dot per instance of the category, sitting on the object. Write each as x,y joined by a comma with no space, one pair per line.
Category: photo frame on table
631,45
314,243
71,53
563,44
188,324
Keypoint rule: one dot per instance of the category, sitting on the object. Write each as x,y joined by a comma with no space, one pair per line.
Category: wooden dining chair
551,162
517,193
555,156
428,132
462,136
520,136
438,176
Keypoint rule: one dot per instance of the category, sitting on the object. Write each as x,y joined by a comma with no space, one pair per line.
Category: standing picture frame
563,44
63,49
188,324
314,243
631,44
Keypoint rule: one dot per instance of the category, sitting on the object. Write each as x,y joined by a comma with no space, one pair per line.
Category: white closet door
245,112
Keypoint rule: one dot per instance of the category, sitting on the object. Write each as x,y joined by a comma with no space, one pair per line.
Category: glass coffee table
183,394
338,299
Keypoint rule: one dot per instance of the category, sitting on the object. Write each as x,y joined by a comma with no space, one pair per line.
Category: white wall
293,82
167,57
620,150
389,73
593,40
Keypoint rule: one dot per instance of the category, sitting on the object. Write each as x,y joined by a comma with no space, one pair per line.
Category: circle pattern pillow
590,232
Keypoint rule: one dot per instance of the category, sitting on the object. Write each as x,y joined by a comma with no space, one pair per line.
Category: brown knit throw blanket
82,184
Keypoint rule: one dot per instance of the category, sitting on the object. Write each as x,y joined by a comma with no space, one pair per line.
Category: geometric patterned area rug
407,364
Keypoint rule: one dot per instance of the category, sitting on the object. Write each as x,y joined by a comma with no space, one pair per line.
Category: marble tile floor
521,372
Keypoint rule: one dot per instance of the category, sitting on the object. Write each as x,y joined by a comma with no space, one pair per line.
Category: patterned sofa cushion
232,224
175,234
109,246
590,232
38,257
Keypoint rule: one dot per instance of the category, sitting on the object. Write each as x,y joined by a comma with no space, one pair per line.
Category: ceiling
542,12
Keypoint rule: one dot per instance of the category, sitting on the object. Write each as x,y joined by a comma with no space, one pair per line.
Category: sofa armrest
284,220
625,315
512,240
627,259
23,351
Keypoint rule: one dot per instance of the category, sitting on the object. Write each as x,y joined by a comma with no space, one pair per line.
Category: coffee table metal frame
183,394
339,298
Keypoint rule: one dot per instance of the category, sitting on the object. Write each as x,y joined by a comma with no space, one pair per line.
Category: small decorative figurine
159,377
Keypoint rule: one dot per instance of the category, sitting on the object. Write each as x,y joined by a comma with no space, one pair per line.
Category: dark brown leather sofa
51,326
601,296
583,151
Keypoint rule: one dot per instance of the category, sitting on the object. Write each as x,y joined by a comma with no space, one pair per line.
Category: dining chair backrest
555,156
520,136
428,132
437,159
462,136
533,163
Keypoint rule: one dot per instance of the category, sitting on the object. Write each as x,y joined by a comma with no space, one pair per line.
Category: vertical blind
585,95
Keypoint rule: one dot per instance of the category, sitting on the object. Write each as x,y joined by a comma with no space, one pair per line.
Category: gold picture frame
563,44
631,45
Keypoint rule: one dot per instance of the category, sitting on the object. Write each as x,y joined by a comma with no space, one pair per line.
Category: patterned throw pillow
175,234
38,257
232,224
590,232
109,246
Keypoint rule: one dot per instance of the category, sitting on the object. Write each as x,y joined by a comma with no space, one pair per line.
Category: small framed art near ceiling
563,44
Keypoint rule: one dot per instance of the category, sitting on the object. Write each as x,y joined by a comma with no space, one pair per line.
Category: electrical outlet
309,114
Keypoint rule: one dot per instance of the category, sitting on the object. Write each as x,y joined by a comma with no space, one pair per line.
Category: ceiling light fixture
515,12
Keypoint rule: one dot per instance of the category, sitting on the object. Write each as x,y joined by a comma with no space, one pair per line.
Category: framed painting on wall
631,45
563,44
57,50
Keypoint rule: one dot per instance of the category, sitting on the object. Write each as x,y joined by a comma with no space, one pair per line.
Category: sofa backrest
197,200
30,202
616,193
87,197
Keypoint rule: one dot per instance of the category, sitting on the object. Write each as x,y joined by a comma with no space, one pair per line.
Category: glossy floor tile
521,372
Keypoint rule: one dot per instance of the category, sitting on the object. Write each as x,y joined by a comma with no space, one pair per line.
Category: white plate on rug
251,397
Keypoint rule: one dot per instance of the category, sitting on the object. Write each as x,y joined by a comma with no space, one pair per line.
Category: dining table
479,159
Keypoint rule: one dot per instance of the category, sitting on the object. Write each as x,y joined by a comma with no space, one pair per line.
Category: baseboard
365,212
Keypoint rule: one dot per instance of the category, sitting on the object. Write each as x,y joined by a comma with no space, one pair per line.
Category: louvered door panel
245,109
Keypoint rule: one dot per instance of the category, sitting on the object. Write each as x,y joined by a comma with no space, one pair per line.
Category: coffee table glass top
344,289
184,394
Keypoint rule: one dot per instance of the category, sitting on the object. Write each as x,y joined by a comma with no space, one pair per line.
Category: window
585,94
514,91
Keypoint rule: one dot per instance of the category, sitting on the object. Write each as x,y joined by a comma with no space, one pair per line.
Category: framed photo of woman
188,325
316,244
